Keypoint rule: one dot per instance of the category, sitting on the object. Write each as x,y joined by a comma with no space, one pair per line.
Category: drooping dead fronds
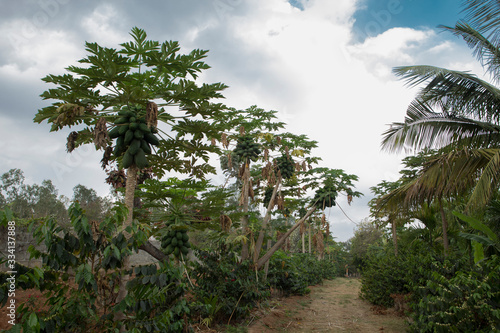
71,143
152,114
251,192
225,142
106,156
101,137
68,113
225,223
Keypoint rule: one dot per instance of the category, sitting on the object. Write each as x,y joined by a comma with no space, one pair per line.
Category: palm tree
457,113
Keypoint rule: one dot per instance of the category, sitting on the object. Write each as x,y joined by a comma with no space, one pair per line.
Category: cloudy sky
325,65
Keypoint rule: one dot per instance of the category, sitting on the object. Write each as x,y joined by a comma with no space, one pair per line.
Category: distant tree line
41,200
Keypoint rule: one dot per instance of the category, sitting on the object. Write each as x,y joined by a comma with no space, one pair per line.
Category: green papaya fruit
114,133
133,126
127,160
129,136
151,138
135,145
138,134
121,120
166,241
140,159
145,146
122,129
144,128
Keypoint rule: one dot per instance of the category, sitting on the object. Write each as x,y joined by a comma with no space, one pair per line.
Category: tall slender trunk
444,221
267,218
304,242
244,219
129,202
282,240
266,267
394,235
310,237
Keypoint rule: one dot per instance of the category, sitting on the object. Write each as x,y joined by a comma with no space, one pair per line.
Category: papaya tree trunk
266,266
129,202
244,219
267,218
282,240
310,238
304,242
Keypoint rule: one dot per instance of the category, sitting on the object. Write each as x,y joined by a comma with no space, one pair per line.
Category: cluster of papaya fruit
325,196
247,149
285,166
133,138
267,196
176,242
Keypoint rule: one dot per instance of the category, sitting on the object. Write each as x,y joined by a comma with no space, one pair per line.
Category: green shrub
382,276
458,300
293,274
283,275
235,287
156,301
95,254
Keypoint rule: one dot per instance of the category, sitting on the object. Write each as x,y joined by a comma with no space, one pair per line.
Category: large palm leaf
424,128
458,113
454,92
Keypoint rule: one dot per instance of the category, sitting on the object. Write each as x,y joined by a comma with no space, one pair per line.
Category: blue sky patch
376,16
297,4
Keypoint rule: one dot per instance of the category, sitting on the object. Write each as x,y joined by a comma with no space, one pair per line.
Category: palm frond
487,182
446,175
458,93
484,16
424,128
484,50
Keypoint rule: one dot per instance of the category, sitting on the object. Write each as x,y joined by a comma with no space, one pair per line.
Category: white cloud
300,63
31,58
106,25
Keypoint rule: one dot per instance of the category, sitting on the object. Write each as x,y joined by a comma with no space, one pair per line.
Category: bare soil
334,306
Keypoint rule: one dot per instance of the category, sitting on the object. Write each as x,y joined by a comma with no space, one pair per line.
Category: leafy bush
87,302
466,300
284,275
236,287
385,274
156,301
293,274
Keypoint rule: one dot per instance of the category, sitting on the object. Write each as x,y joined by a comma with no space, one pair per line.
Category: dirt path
331,307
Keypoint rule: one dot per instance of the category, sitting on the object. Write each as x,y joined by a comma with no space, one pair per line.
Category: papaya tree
255,139
327,184
145,95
